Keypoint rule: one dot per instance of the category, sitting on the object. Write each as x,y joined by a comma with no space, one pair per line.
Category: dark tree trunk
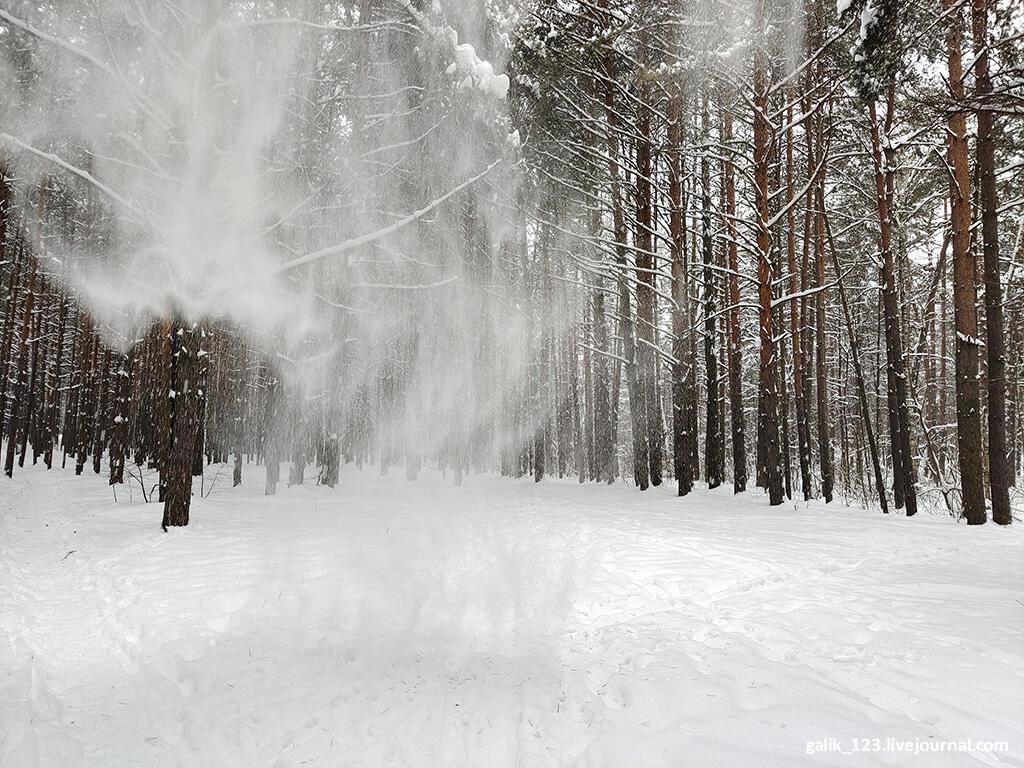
820,348
995,342
965,296
122,414
768,410
713,423
19,418
604,442
736,416
54,398
646,299
7,335
803,429
271,439
103,418
30,393
637,403
185,411
899,417
682,437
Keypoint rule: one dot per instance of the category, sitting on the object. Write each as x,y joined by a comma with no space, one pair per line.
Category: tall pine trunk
768,410
965,297
995,343
638,411
803,429
737,418
713,431
681,434
899,417
820,346
646,298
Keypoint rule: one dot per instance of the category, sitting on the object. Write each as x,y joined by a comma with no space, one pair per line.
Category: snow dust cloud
329,184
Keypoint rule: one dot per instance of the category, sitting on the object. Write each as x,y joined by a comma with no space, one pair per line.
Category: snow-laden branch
285,21
409,287
129,205
356,242
470,68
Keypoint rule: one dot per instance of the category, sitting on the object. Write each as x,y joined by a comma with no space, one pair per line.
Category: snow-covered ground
503,623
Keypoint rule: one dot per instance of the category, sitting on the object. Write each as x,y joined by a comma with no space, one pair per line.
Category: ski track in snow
503,623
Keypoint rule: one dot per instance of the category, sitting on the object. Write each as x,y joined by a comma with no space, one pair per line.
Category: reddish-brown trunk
968,403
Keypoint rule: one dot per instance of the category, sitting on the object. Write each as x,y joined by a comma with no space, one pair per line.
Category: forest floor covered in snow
501,623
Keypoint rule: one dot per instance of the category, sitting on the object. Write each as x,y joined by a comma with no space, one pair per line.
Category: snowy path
498,624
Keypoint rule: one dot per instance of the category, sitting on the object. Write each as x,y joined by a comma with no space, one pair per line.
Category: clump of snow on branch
473,72
868,16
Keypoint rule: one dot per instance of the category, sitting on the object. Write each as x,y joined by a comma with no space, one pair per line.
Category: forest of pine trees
775,244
